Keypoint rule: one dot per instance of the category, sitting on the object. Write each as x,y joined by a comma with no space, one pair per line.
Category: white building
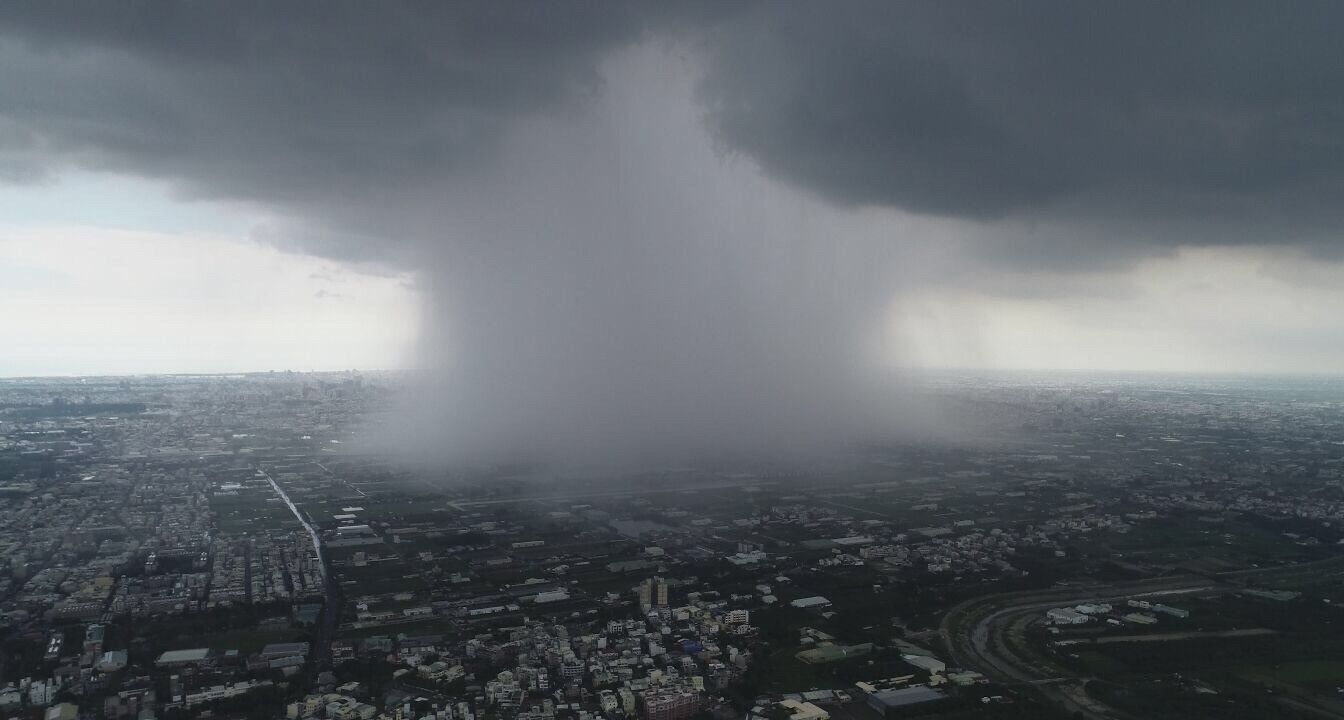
1066,616
804,710
931,665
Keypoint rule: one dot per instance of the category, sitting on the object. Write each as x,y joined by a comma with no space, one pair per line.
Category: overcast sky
670,202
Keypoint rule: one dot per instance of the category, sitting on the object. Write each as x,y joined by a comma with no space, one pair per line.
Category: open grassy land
1322,676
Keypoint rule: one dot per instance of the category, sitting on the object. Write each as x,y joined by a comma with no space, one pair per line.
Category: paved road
979,633
1162,637
326,629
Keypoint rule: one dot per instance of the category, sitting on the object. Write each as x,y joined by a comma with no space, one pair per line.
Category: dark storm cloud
599,281
1179,115
599,285
1174,114
303,106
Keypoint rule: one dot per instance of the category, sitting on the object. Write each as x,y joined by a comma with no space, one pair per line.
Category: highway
985,634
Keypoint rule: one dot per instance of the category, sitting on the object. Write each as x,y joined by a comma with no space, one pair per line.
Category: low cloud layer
1186,114
648,229
1170,123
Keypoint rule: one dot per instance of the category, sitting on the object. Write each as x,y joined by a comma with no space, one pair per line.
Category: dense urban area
1091,546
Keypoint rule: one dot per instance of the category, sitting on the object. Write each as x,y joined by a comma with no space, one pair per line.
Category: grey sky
1159,125
744,213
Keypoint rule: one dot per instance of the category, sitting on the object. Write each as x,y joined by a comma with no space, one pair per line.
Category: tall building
652,593
646,595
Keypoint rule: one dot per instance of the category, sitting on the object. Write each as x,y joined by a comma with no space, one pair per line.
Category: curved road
978,632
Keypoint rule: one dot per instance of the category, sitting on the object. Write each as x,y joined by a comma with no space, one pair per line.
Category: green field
789,674
251,511
1102,665
1318,675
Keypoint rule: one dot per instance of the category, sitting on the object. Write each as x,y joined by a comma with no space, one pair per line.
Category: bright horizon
325,314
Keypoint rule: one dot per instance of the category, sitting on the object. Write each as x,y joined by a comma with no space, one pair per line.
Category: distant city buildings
152,564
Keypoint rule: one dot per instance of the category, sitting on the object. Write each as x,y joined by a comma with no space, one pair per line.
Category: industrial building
891,703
